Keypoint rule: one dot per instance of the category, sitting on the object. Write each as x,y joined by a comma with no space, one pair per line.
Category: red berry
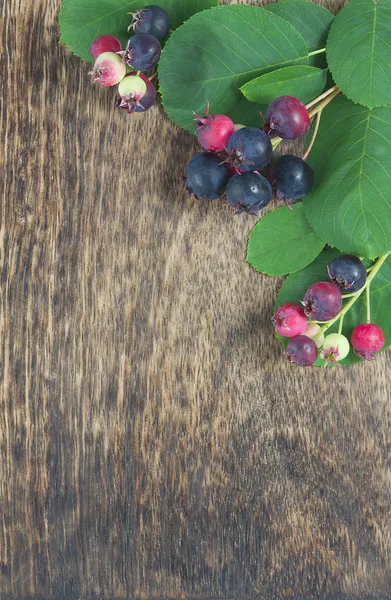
302,351
367,339
322,301
287,117
104,43
108,69
214,131
289,320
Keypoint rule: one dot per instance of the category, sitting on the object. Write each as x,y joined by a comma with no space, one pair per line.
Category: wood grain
153,441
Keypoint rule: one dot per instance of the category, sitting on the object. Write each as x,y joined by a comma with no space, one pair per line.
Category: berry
248,192
108,69
142,52
367,339
214,131
294,177
348,273
302,351
207,177
287,117
129,93
322,301
335,348
151,19
250,149
289,320
104,43
312,331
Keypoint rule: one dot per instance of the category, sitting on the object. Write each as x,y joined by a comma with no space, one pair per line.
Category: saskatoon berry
290,320
207,177
302,351
293,176
250,149
248,192
312,331
335,348
108,69
287,117
214,131
130,94
153,20
348,273
104,43
367,339
322,301
142,52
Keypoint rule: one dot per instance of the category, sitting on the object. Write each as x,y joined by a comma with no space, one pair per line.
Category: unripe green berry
336,347
108,69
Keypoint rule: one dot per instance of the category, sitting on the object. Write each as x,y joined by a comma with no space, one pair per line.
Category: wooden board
153,441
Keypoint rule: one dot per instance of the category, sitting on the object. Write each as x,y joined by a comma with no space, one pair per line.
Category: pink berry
104,43
287,117
290,320
367,339
108,69
322,301
214,131
301,350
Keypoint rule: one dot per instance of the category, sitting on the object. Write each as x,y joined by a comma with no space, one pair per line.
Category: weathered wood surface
153,442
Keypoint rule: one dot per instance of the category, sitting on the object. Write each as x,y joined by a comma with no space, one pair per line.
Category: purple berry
214,131
322,301
302,350
367,339
151,19
290,320
108,69
348,273
250,149
105,43
136,93
207,177
142,52
248,192
287,117
293,176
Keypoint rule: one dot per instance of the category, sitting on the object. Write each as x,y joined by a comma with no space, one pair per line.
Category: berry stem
340,324
368,295
319,51
319,98
378,264
313,136
319,107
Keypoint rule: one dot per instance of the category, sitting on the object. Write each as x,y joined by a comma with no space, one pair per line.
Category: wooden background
153,441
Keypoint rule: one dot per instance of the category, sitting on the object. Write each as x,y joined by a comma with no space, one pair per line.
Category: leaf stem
319,51
313,136
319,98
368,295
378,264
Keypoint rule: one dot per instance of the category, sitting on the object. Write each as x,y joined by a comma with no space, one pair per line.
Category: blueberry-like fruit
250,149
302,350
248,192
214,131
347,272
322,301
367,339
104,43
293,176
207,177
151,19
108,69
336,347
142,52
287,117
135,93
290,320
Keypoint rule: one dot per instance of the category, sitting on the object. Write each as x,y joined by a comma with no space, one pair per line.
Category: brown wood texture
153,441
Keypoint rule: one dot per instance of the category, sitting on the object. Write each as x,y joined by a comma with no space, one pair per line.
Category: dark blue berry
153,20
294,177
322,301
250,149
348,273
142,52
248,192
207,177
302,350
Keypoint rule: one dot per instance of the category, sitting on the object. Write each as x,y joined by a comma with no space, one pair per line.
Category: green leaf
217,51
283,242
82,21
303,82
349,206
295,286
359,51
311,20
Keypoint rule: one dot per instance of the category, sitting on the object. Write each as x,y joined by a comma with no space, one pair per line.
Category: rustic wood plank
153,442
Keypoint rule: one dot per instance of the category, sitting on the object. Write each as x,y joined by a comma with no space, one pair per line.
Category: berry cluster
235,156
323,303
134,90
